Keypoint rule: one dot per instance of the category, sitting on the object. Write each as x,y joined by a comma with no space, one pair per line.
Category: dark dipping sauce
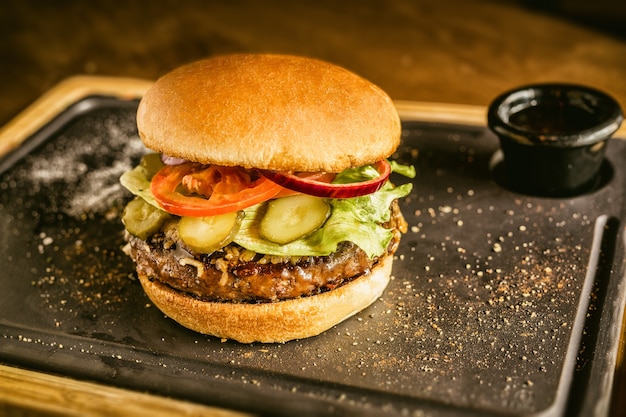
553,119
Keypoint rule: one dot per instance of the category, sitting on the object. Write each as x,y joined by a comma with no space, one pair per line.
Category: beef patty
235,274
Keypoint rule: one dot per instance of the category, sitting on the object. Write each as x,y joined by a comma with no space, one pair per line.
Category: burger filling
237,274
230,234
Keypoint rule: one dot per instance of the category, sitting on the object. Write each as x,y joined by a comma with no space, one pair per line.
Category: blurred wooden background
451,51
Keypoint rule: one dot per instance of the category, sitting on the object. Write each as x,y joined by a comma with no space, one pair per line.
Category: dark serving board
500,303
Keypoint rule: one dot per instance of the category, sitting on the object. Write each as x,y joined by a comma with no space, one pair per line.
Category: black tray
500,303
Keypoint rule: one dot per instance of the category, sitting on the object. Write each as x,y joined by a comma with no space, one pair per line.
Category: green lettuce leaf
406,170
137,182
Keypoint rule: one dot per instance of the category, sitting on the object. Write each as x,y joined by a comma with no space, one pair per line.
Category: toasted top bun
277,112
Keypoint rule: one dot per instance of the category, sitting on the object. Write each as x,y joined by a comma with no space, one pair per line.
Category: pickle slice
208,234
290,218
142,219
151,163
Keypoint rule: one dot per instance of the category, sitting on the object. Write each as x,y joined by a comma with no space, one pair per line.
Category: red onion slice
172,160
311,186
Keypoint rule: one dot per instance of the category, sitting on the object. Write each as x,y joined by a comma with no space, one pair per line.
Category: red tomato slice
227,188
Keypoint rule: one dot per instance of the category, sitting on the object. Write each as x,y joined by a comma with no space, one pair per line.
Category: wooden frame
27,392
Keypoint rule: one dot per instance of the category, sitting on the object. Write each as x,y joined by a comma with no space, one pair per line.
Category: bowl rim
530,95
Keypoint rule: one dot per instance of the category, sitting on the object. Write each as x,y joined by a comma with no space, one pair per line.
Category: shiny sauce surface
553,119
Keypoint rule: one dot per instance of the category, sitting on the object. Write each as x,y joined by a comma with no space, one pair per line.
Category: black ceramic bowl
553,136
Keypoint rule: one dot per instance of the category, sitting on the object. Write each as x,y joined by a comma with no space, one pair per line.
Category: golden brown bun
271,322
277,112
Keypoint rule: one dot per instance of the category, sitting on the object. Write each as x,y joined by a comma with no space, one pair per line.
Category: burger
264,211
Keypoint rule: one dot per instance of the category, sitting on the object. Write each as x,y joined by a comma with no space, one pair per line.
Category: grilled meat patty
237,275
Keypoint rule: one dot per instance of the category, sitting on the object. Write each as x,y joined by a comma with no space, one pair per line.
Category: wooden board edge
35,393
441,112
59,98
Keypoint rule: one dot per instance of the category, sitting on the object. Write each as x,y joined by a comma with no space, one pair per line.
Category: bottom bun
271,322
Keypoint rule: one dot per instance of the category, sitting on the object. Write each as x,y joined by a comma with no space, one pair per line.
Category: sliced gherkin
142,219
208,234
290,218
151,164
